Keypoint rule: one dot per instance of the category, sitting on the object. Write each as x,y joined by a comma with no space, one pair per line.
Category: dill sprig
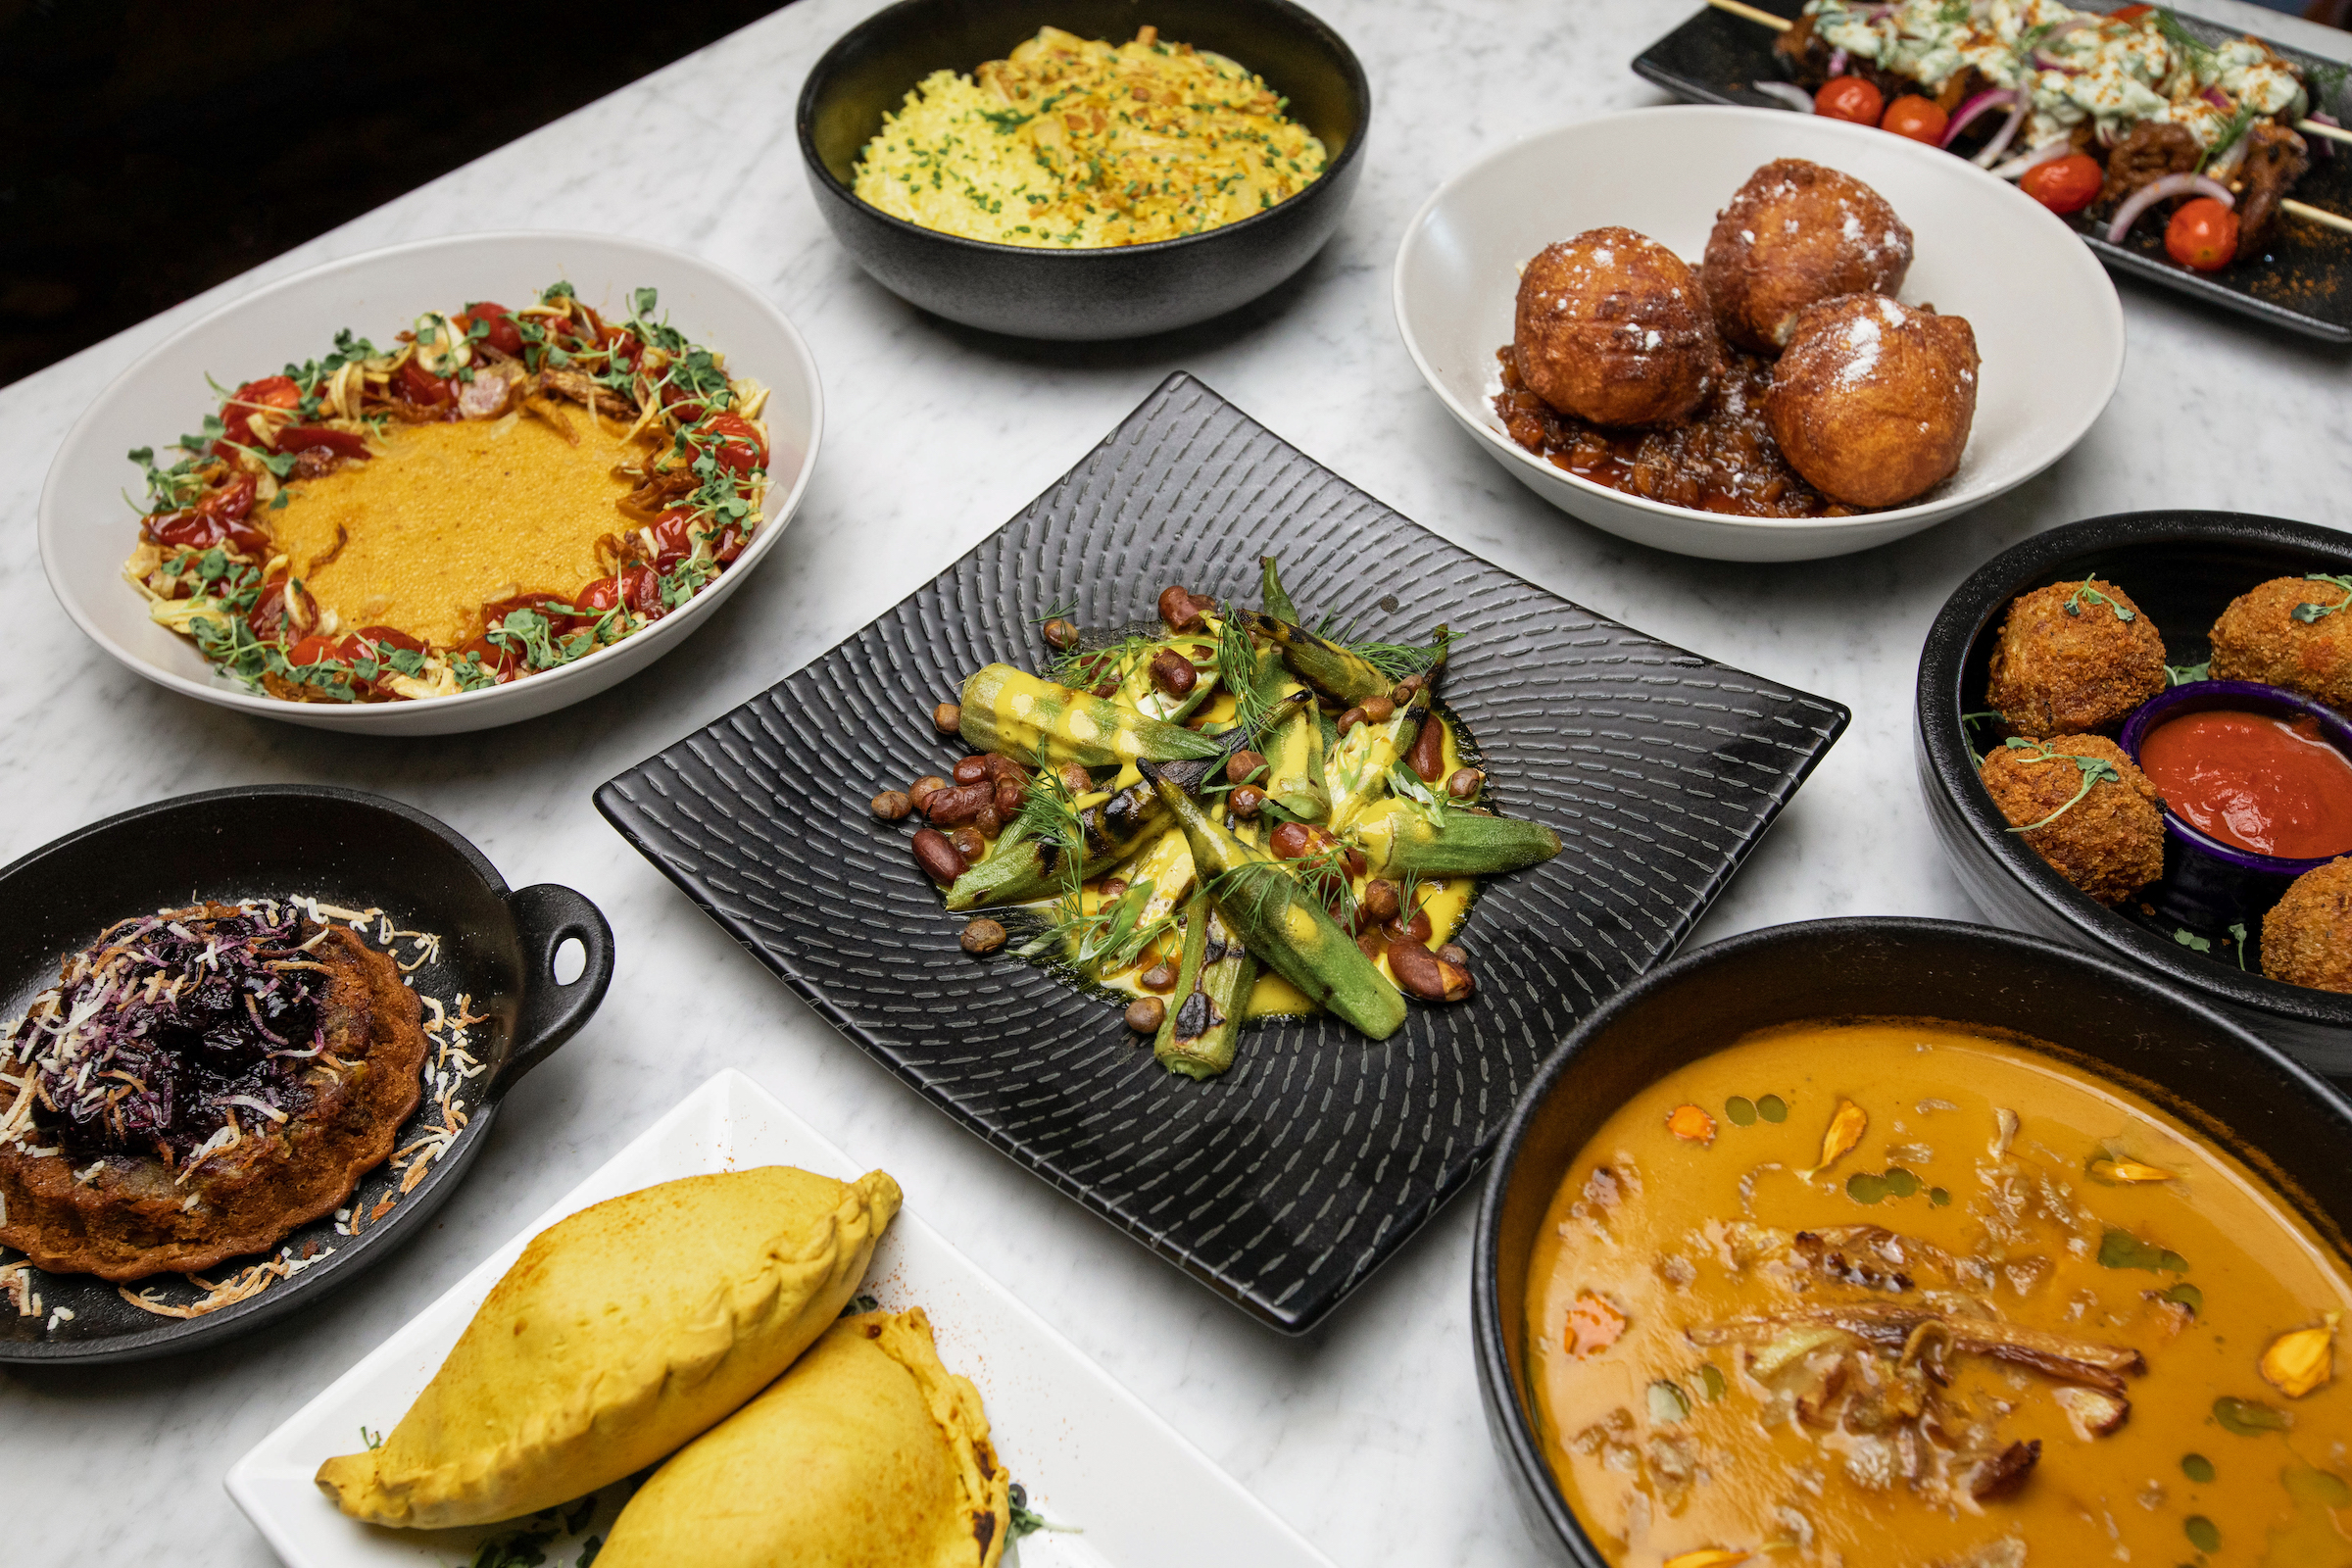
1237,662
1396,660
1048,817
1323,873
1083,669
2177,34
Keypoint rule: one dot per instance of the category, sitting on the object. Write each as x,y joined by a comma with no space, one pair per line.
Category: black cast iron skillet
2288,1126
1081,295
2182,568
341,846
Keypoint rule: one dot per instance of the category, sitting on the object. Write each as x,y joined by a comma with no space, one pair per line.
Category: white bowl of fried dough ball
1753,335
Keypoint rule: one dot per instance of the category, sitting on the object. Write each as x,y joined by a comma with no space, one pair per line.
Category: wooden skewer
2315,214
2312,127
1752,14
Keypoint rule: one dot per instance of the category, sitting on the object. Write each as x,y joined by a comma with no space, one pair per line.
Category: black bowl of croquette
1087,292
2026,679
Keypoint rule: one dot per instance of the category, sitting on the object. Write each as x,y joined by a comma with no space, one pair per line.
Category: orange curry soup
2015,1317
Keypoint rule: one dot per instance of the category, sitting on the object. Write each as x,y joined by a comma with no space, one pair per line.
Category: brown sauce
1722,460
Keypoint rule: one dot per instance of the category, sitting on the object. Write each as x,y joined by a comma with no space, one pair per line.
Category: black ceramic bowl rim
2250,693
1306,21
1521,1449
1964,617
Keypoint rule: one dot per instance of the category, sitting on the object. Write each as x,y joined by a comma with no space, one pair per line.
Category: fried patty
133,1218
2065,662
2110,842
2259,638
2307,937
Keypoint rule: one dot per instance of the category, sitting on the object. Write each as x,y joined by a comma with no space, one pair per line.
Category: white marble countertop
1367,1436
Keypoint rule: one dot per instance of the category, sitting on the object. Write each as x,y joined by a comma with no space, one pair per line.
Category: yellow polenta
1071,143
451,516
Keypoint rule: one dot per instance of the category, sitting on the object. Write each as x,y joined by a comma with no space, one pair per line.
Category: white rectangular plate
1089,1454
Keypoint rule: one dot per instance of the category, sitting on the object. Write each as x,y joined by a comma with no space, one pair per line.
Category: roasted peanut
1349,719
1173,673
892,805
947,719
1378,903
1403,693
1077,780
1378,710
982,936
1414,930
1008,798
1061,633
970,769
1107,686
1291,840
1161,977
1428,756
1422,973
985,819
1465,783
1113,888
1452,953
1180,610
1143,1014
922,789
1001,768
957,805
1247,800
1242,766
969,844
937,857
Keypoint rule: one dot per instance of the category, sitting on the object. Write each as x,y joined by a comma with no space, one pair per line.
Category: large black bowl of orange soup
1911,1243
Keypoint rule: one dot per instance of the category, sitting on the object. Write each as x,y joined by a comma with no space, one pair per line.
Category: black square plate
2303,284
1284,1183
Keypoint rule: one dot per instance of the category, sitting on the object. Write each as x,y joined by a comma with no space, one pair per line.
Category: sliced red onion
2218,98
2049,152
2321,146
2007,134
2043,62
1989,98
1838,61
1788,92
2157,190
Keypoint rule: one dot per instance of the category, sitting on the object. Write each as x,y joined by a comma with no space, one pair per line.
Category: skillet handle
545,916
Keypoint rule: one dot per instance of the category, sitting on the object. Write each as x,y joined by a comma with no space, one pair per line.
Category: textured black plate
1284,1183
339,847
2181,568
2303,282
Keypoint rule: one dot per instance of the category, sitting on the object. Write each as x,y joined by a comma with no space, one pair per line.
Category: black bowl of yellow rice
1059,189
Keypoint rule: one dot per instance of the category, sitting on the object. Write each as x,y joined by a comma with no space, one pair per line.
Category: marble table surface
1366,1436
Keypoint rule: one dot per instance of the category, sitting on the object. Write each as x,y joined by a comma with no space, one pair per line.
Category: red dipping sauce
2272,785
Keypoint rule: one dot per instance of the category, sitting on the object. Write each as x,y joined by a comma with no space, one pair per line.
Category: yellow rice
1079,144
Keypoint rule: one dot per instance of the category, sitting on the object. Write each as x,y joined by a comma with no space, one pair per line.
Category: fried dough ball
1613,327
2073,659
1873,400
2307,937
2259,638
1794,235
2110,842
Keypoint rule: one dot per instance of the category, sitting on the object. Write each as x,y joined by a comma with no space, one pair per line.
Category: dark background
150,149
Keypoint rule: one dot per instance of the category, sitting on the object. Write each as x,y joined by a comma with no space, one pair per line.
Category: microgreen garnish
2119,1249
2237,934
2087,594
2186,674
2190,939
2309,613
2095,772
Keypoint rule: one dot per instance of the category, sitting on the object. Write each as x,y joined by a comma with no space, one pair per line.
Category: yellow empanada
868,1454
620,1334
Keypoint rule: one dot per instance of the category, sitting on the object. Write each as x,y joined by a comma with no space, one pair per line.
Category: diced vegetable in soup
1899,1295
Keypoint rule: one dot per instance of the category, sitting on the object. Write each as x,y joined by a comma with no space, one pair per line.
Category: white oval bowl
87,532
2047,321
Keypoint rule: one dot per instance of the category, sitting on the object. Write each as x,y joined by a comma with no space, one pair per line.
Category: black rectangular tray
2302,283
1282,1184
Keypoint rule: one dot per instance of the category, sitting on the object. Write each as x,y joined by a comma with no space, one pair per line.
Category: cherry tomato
504,335
2065,185
222,516
1849,98
735,443
640,590
268,617
1920,118
729,545
418,385
302,437
673,538
2202,235
560,618
372,643
597,598
315,649
499,664
236,416
2129,13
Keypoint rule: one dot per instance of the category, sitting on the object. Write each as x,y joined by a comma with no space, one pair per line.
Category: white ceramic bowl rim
1935,502
775,514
